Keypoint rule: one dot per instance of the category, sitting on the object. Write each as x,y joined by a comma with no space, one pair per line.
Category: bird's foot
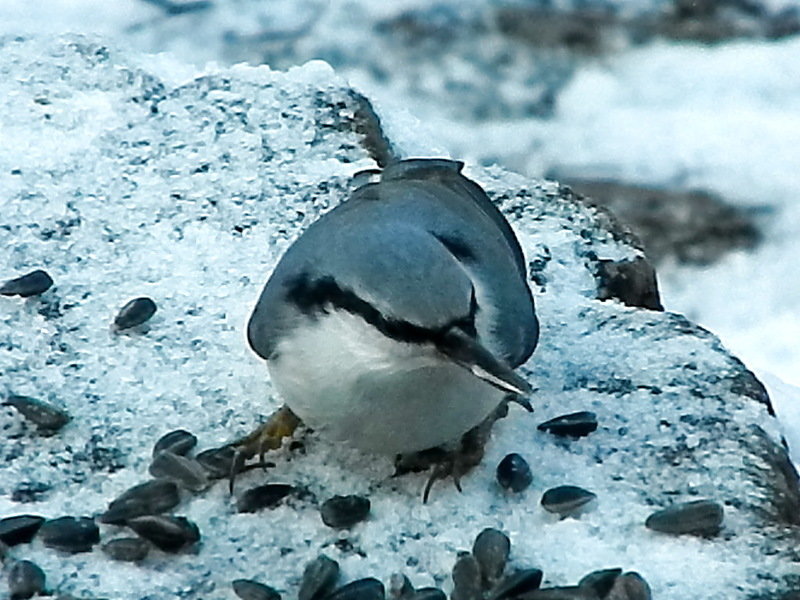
456,461
267,436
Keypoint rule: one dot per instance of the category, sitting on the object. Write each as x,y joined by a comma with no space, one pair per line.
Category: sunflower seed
179,441
247,589
47,418
341,512
19,529
25,579
129,549
566,500
34,283
514,473
576,424
319,577
491,549
466,578
150,498
517,584
600,581
134,313
699,517
184,471
263,496
217,462
70,534
361,589
170,534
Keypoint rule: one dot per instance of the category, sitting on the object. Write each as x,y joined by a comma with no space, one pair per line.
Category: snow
115,203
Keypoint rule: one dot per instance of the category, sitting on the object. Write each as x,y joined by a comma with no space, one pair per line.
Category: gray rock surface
123,176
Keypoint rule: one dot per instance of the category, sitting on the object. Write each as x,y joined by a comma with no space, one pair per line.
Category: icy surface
123,181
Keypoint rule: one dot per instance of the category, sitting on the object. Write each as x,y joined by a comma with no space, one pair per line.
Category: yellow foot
267,436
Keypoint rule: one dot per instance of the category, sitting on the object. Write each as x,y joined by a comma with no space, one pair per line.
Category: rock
25,580
491,550
149,498
179,442
70,534
126,549
694,227
513,473
263,496
184,471
566,500
247,589
342,512
19,529
319,578
698,517
517,584
34,283
680,417
47,418
578,424
135,312
170,534
632,282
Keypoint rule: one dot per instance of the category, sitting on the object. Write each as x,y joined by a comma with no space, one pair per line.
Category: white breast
345,378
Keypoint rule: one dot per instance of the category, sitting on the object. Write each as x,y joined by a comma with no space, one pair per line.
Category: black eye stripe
318,296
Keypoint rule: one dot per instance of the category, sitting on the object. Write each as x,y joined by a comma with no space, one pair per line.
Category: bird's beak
469,354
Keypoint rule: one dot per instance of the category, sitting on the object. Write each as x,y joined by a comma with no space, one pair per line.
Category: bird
395,321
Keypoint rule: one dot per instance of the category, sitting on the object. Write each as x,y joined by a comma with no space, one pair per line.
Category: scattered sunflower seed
428,593
179,442
400,586
19,529
514,473
368,588
569,592
517,584
129,549
134,313
630,586
247,589
566,500
150,498
699,517
491,549
186,472
263,496
341,512
217,462
319,578
578,424
600,581
170,534
70,534
25,580
47,418
466,578
32,284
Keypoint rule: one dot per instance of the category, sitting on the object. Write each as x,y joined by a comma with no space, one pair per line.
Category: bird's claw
267,436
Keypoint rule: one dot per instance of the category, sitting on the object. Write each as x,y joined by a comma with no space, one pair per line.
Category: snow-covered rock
122,177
